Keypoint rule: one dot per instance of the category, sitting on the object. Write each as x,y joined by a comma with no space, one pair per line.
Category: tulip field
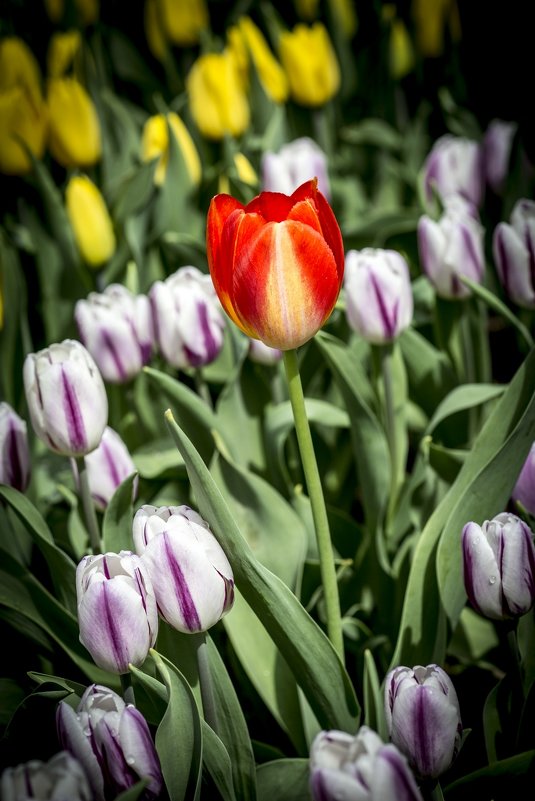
267,402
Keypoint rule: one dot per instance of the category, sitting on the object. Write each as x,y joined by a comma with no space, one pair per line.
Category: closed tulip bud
63,48
116,328
14,451
454,167
497,145
378,292
452,247
19,67
423,717
297,162
74,131
310,62
270,73
263,354
107,467
66,398
183,20
524,489
117,611
62,777
153,24
90,221
22,119
277,263
191,576
499,566
360,767
112,741
514,254
401,51
432,19
155,144
186,317
217,98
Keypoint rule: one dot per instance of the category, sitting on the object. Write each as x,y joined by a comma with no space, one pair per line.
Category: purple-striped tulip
497,144
359,768
263,354
61,778
187,319
107,467
378,294
295,163
117,611
191,576
116,328
112,741
423,717
514,254
14,451
452,247
499,566
524,489
454,166
66,398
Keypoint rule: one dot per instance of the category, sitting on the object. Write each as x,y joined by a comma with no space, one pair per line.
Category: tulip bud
117,611
431,20
116,328
379,301
90,220
310,62
514,254
187,323
24,119
454,167
451,247
66,398
497,145
499,566
19,67
423,717
107,467
63,48
155,144
524,489
154,31
112,741
62,777
217,98
14,452
270,73
343,766
297,162
74,131
263,354
192,577
183,20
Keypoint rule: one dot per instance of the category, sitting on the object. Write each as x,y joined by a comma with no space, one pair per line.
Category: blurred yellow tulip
431,18
217,97
270,72
21,118
88,10
400,48
90,221
307,9
310,63
183,20
74,128
54,9
155,142
345,12
19,67
62,51
154,29
245,172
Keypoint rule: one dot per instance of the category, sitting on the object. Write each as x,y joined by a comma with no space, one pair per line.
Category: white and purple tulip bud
192,578
378,293
112,741
117,611
524,489
66,398
454,166
116,328
497,144
62,777
344,767
14,451
499,566
513,246
297,162
107,467
187,318
260,353
452,247
423,717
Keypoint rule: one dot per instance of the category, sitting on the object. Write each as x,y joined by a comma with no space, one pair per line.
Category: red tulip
277,263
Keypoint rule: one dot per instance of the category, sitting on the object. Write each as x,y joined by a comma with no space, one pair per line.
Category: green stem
317,502
202,388
127,688
435,793
88,506
390,419
205,682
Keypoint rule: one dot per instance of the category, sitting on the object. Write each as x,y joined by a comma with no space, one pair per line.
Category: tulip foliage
226,227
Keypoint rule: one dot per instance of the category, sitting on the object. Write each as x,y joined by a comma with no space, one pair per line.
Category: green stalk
317,502
88,506
127,688
205,682
385,353
202,388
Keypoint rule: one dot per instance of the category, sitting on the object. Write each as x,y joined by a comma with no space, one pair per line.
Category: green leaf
496,305
134,792
373,131
13,291
373,697
428,370
286,779
217,762
461,398
495,779
117,524
156,457
133,192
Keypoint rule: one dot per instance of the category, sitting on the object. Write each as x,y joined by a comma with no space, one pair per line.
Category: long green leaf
284,779
117,525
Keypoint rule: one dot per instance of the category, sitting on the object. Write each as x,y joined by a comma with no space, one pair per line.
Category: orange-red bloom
277,264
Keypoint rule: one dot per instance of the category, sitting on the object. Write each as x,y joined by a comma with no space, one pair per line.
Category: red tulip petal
221,207
273,206
305,212
329,226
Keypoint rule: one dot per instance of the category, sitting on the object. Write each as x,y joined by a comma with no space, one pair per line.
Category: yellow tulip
62,51
154,29
21,118
431,18
307,9
54,9
346,14
74,129
87,10
310,63
155,142
19,67
216,96
244,171
90,221
401,51
183,20
271,74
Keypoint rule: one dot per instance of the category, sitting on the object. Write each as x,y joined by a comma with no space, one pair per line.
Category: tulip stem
436,794
390,419
202,388
317,502
205,682
127,688
88,505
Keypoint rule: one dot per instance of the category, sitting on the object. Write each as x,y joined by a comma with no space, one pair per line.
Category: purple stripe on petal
405,785
110,463
423,760
14,467
318,786
73,416
115,640
470,249
110,345
388,324
185,601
